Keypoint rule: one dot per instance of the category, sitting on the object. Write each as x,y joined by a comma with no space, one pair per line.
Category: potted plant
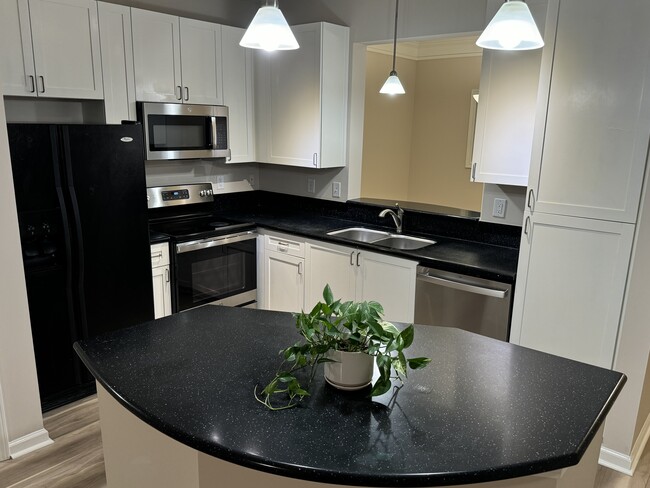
346,337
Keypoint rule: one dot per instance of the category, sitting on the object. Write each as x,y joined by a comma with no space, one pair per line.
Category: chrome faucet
397,217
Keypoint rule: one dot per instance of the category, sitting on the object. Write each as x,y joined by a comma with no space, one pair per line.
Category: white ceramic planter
351,371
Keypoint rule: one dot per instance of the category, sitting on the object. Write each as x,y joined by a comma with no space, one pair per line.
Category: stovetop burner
190,228
216,225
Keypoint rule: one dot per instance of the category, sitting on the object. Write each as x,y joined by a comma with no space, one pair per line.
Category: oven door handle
481,290
214,241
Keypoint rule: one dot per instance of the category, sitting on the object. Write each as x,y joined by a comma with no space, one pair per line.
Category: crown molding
448,47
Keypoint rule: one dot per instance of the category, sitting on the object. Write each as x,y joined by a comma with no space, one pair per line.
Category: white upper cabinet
238,94
117,62
591,143
176,59
301,99
506,111
50,48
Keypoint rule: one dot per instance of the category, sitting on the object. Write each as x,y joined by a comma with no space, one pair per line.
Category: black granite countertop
483,410
156,237
471,258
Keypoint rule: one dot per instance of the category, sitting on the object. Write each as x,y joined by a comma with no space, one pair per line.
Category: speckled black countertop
477,259
483,410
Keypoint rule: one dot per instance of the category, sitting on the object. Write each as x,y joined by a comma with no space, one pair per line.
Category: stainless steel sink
404,243
360,234
380,238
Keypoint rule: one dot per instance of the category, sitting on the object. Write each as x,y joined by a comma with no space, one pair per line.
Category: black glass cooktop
198,227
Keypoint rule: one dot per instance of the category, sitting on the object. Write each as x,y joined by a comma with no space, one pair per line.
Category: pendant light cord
395,33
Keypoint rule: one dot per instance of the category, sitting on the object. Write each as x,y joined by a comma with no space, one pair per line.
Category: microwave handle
213,125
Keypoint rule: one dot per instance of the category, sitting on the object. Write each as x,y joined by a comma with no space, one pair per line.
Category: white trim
4,432
450,47
621,462
28,443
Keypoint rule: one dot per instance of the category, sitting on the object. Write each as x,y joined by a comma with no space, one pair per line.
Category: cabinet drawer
281,244
160,254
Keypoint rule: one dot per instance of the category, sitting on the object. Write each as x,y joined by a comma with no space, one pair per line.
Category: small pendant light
393,86
512,29
269,31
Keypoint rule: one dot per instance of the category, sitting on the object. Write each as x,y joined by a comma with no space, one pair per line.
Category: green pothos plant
342,326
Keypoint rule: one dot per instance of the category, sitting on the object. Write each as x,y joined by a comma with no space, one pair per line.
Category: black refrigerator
82,211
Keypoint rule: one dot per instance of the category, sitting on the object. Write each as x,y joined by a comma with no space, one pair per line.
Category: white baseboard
28,443
621,462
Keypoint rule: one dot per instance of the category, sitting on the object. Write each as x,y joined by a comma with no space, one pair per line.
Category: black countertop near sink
483,409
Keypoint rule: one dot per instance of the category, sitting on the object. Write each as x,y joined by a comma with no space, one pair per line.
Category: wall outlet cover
311,185
221,182
336,189
499,209
251,180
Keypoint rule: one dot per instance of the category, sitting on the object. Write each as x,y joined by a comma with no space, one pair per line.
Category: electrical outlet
311,185
499,209
251,180
336,189
221,182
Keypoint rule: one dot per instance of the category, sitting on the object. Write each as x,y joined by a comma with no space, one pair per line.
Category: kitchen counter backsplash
465,227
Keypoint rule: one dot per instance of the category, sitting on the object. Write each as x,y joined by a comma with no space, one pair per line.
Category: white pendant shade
512,29
269,31
392,86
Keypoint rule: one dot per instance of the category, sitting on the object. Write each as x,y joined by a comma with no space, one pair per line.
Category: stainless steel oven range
213,260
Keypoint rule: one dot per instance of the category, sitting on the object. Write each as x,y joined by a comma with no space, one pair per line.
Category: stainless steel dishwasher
454,300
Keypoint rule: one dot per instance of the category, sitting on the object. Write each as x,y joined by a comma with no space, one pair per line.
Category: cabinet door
333,265
67,57
285,284
294,112
570,285
590,150
238,94
201,62
389,281
117,62
156,56
16,55
162,293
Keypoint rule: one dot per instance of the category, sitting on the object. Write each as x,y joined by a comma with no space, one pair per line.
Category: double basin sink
381,238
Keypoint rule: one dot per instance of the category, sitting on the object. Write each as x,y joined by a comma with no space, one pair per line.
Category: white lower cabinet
162,292
284,276
362,276
569,296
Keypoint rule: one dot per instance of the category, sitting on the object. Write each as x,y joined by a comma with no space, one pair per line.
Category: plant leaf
381,386
399,363
418,363
407,336
327,295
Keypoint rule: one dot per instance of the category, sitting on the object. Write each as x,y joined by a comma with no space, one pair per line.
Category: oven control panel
166,196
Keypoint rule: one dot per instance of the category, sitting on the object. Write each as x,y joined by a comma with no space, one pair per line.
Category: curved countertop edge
328,476
506,274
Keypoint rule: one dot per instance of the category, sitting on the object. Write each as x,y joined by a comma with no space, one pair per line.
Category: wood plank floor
75,460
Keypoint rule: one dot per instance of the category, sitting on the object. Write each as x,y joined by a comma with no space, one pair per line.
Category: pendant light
269,31
393,86
512,29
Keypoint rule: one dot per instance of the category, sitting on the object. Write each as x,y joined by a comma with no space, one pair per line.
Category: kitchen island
177,409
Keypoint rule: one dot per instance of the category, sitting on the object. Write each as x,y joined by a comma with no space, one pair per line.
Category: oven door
221,269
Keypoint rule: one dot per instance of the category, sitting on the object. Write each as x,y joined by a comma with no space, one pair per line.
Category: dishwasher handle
458,285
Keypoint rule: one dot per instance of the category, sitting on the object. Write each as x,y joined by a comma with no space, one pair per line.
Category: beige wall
414,145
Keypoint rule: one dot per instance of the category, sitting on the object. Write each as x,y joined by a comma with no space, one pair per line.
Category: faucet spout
397,217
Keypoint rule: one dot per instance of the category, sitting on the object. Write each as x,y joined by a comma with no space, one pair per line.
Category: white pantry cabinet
176,59
362,276
238,94
591,143
301,99
570,286
117,62
162,293
507,106
284,273
50,48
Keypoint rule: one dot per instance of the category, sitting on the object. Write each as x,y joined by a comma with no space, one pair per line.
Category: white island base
138,456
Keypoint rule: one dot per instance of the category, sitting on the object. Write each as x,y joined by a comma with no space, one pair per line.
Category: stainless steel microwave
184,131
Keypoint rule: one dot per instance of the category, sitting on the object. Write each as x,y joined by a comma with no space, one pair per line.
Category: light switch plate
336,189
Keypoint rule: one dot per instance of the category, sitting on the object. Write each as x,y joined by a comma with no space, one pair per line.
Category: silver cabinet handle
187,94
283,247
531,199
351,257
42,84
167,275
473,171
480,290
526,227
300,268
178,89
33,85
315,159
158,255
358,254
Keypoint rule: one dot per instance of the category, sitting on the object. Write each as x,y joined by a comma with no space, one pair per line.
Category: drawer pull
158,255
